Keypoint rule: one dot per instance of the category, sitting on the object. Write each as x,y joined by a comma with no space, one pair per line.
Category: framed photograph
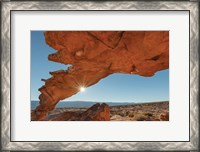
100,76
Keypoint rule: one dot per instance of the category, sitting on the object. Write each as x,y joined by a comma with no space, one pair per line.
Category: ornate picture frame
8,7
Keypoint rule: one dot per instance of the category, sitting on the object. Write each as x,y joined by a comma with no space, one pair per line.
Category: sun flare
82,89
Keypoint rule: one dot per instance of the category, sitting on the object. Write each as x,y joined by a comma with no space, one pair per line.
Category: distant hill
79,104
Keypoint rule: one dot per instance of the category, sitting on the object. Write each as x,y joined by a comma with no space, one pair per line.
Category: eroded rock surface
98,112
94,56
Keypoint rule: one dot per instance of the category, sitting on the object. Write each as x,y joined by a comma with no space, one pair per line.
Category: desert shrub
123,114
131,114
141,119
113,112
127,113
148,114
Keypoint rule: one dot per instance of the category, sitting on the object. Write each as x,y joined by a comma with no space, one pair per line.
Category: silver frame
191,6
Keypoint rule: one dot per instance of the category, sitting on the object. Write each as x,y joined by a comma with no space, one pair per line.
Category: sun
82,89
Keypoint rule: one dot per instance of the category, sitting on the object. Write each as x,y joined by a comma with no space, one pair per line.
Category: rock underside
95,55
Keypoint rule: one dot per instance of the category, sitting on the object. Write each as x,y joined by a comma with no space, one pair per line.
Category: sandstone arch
95,55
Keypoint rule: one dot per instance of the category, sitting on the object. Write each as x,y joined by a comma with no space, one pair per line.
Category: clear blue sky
114,88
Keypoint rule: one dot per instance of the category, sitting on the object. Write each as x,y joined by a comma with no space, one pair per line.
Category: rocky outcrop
95,55
164,116
95,113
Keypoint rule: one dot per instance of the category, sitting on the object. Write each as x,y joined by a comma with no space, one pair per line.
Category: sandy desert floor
157,111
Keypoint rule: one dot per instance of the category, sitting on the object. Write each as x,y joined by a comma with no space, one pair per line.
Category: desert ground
155,111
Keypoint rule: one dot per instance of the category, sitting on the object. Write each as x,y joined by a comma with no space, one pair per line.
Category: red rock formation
95,113
165,116
95,55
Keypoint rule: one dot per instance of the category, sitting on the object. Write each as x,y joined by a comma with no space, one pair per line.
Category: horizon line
112,101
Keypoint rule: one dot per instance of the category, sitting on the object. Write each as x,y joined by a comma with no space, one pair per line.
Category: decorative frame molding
8,6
